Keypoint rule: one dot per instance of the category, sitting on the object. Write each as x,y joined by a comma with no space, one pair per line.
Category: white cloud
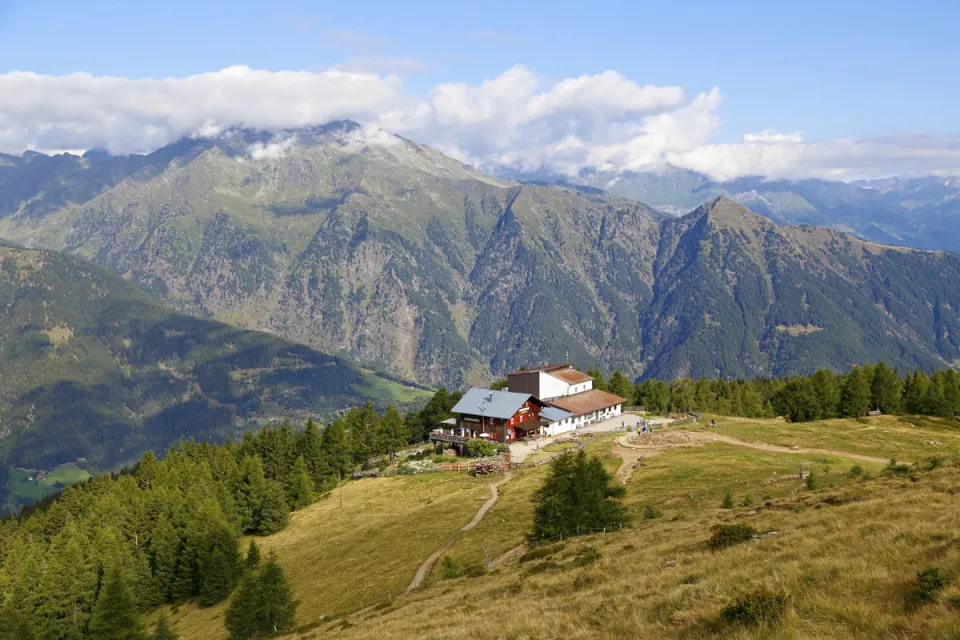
273,150
517,119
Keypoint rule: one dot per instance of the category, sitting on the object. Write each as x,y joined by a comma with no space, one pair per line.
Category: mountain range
93,369
376,248
919,212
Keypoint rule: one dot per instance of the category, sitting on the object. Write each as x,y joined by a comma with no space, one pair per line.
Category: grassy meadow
846,547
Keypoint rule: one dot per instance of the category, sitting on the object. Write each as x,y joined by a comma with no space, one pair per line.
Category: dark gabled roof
493,404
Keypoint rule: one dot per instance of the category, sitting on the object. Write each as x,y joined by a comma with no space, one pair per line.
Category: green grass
383,390
23,491
882,436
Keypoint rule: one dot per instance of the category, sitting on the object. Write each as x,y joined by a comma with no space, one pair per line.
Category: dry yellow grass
336,563
845,552
845,555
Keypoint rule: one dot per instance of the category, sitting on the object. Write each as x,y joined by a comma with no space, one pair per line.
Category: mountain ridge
388,252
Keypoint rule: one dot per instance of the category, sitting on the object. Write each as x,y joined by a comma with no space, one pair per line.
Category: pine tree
886,389
115,615
147,470
68,586
250,492
395,431
163,631
598,380
252,561
855,394
336,450
578,496
310,447
619,385
299,485
827,392
219,565
165,552
263,604
274,512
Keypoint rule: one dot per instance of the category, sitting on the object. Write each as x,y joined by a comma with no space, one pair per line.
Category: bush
727,535
650,512
727,501
755,608
929,583
449,569
479,448
932,463
542,552
747,501
811,482
896,468
856,471
585,556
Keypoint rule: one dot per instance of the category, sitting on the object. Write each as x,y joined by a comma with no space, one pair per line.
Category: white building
571,400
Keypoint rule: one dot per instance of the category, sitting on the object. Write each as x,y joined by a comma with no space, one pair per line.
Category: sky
813,89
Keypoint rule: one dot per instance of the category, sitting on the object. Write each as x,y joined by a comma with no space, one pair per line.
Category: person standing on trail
713,423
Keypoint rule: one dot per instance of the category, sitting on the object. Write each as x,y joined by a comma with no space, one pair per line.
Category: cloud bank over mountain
517,119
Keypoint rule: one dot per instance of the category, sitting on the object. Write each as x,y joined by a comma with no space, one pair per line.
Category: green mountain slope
90,367
390,252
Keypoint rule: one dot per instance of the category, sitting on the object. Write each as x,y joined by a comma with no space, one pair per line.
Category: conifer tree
274,512
115,614
855,394
263,604
250,492
68,586
299,485
252,561
163,631
147,470
395,431
165,552
219,565
310,447
336,450
619,385
598,381
886,389
578,496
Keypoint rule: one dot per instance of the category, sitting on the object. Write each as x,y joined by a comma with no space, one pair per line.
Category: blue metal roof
552,414
493,404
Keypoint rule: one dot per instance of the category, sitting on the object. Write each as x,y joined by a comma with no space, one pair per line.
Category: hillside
852,533
373,246
92,369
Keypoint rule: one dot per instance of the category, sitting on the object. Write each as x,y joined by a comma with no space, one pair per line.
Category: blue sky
829,69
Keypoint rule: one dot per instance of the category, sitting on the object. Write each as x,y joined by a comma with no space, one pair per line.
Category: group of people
709,423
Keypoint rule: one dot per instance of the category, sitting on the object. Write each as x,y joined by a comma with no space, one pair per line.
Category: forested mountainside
373,246
92,368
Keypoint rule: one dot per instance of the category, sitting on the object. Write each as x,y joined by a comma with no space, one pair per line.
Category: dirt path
763,446
427,566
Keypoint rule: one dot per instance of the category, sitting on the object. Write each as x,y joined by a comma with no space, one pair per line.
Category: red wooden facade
524,422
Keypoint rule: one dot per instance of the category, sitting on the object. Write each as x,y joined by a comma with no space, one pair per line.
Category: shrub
449,569
929,582
478,448
747,501
811,482
727,535
727,501
542,552
932,463
896,468
856,471
585,556
754,608
650,512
